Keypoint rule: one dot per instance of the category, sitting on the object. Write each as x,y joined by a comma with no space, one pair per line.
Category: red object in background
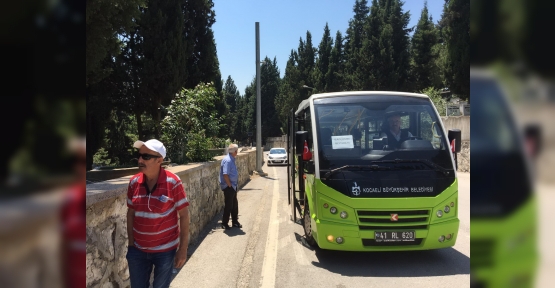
307,155
74,239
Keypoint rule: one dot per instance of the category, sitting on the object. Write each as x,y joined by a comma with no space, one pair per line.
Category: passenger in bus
395,135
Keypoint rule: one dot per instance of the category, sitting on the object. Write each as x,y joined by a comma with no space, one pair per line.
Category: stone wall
106,215
30,240
463,158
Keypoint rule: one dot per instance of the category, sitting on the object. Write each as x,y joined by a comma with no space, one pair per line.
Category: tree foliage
163,49
323,60
232,109
424,53
456,18
140,54
269,89
105,20
190,127
334,75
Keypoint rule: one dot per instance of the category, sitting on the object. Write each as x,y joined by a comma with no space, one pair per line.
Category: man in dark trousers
229,178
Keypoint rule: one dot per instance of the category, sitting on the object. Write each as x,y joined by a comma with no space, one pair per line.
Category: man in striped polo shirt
157,219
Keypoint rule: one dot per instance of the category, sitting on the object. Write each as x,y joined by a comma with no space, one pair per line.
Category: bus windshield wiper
356,167
425,161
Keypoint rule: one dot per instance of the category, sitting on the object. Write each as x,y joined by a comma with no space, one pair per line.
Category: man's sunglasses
147,156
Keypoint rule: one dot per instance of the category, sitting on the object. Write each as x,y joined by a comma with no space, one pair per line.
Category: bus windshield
366,130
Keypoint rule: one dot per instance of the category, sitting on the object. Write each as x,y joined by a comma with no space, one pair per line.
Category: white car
277,156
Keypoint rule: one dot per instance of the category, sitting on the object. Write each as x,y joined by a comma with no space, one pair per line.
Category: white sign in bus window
342,142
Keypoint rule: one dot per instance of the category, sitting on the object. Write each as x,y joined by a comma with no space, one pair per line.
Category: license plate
394,236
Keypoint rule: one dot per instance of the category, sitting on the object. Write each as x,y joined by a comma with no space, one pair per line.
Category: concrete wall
106,215
272,142
458,122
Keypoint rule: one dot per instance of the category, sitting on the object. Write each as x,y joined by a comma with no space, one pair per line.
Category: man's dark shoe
225,226
237,224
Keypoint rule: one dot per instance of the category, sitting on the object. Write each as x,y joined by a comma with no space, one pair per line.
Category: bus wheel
307,227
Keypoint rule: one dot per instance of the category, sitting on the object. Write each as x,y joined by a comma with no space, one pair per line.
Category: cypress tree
323,60
424,39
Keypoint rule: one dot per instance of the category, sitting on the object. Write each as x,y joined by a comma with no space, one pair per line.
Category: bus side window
308,127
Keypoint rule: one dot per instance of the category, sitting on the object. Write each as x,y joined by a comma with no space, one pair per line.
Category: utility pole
258,105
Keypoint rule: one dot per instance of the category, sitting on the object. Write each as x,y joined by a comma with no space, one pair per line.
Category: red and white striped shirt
155,225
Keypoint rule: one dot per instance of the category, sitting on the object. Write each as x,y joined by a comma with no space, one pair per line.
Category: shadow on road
234,232
302,240
440,262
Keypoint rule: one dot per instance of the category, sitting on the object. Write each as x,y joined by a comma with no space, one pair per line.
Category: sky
282,23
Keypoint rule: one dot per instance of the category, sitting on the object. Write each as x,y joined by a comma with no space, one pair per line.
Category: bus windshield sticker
342,142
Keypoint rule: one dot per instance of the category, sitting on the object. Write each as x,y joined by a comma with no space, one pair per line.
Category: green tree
289,95
437,99
164,54
240,132
250,109
306,56
354,39
334,75
456,16
202,61
323,60
424,53
269,89
191,125
232,97
400,41
104,21
369,58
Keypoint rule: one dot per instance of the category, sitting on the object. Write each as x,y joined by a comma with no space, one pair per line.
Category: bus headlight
343,214
333,210
447,209
339,240
439,213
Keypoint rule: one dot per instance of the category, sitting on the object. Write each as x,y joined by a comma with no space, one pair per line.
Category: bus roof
305,103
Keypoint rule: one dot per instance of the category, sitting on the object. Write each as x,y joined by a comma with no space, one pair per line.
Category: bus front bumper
355,239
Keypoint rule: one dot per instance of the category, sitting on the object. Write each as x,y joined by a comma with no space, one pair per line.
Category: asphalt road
269,250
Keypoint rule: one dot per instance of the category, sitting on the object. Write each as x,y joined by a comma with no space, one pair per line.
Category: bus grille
385,219
482,253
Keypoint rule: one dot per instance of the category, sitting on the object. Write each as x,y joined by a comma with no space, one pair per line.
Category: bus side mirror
454,136
532,139
300,137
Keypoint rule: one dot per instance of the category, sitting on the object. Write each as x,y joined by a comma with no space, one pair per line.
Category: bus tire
307,227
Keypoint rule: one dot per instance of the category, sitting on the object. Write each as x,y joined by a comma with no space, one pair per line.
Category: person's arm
227,180
181,254
130,219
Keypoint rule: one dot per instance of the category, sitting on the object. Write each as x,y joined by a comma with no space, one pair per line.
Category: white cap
153,145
